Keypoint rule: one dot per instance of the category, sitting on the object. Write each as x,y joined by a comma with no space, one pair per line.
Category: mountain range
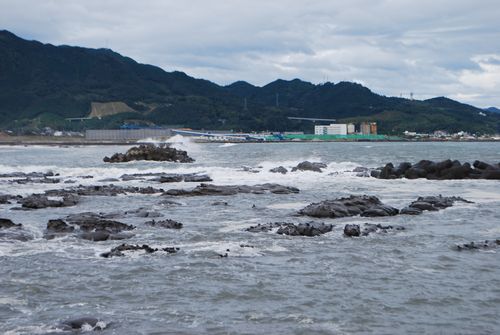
45,85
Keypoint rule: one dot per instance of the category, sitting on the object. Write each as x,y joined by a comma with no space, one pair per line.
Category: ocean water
401,282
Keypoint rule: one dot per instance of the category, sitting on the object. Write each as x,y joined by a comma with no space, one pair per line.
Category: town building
332,129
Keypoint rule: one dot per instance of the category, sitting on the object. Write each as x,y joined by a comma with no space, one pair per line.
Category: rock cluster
168,224
430,204
309,166
103,190
279,169
13,231
119,250
6,198
363,205
487,244
354,230
37,201
446,169
225,190
292,229
88,227
150,152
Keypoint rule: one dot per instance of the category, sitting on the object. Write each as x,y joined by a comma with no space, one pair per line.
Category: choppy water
408,281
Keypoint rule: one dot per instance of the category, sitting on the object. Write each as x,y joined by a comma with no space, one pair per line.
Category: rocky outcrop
84,324
431,203
309,166
363,205
354,230
6,198
28,175
103,190
37,201
168,224
279,169
149,152
88,227
119,250
443,170
225,190
292,229
487,244
13,231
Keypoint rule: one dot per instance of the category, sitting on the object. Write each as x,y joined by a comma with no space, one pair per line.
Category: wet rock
431,203
6,223
309,166
28,175
13,231
265,227
167,202
443,170
352,230
83,324
140,176
37,201
305,229
171,178
219,203
487,244
168,224
279,169
6,198
119,250
197,178
151,152
251,169
143,213
103,190
188,178
108,180
37,181
351,206
225,190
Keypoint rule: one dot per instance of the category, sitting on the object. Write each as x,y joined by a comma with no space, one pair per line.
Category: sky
395,47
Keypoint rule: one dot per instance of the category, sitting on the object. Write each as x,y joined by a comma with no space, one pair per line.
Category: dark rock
197,178
103,190
309,166
431,203
6,198
28,175
143,213
171,178
279,169
265,227
43,180
219,203
487,244
119,250
352,230
360,169
80,323
350,206
140,176
169,224
6,223
151,152
37,201
305,229
108,180
225,190
410,211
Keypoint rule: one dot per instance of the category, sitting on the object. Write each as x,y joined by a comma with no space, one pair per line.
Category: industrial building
126,134
332,129
368,128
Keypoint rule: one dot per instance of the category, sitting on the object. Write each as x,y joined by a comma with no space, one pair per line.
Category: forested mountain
43,85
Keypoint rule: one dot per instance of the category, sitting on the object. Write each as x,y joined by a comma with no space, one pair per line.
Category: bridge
310,119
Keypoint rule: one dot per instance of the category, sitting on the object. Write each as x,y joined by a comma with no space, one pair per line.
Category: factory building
332,129
351,128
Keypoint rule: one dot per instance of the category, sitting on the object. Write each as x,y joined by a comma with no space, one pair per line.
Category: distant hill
43,85
492,110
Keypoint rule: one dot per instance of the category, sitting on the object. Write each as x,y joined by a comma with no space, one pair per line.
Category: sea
411,281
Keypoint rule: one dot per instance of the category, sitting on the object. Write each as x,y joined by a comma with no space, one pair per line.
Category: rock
149,152
143,213
444,170
305,229
171,178
88,227
351,206
188,178
37,201
28,175
292,229
360,169
108,180
309,166
83,324
168,224
140,176
43,180
225,190
351,230
6,223
6,198
119,250
103,190
219,203
487,244
197,178
279,169
431,203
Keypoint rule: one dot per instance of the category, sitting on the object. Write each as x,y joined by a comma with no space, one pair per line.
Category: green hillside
43,85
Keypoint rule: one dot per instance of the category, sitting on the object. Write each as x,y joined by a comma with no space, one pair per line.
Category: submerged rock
363,205
487,244
119,250
225,190
13,231
103,190
310,166
168,224
6,198
83,324
149,152
352,230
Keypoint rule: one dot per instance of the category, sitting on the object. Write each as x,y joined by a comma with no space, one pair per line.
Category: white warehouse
332,129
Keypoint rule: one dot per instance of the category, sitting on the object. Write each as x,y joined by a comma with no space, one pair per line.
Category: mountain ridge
42,85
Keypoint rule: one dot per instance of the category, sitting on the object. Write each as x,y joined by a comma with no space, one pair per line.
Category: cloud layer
394,47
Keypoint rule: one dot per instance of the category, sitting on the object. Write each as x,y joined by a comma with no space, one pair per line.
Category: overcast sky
431,48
